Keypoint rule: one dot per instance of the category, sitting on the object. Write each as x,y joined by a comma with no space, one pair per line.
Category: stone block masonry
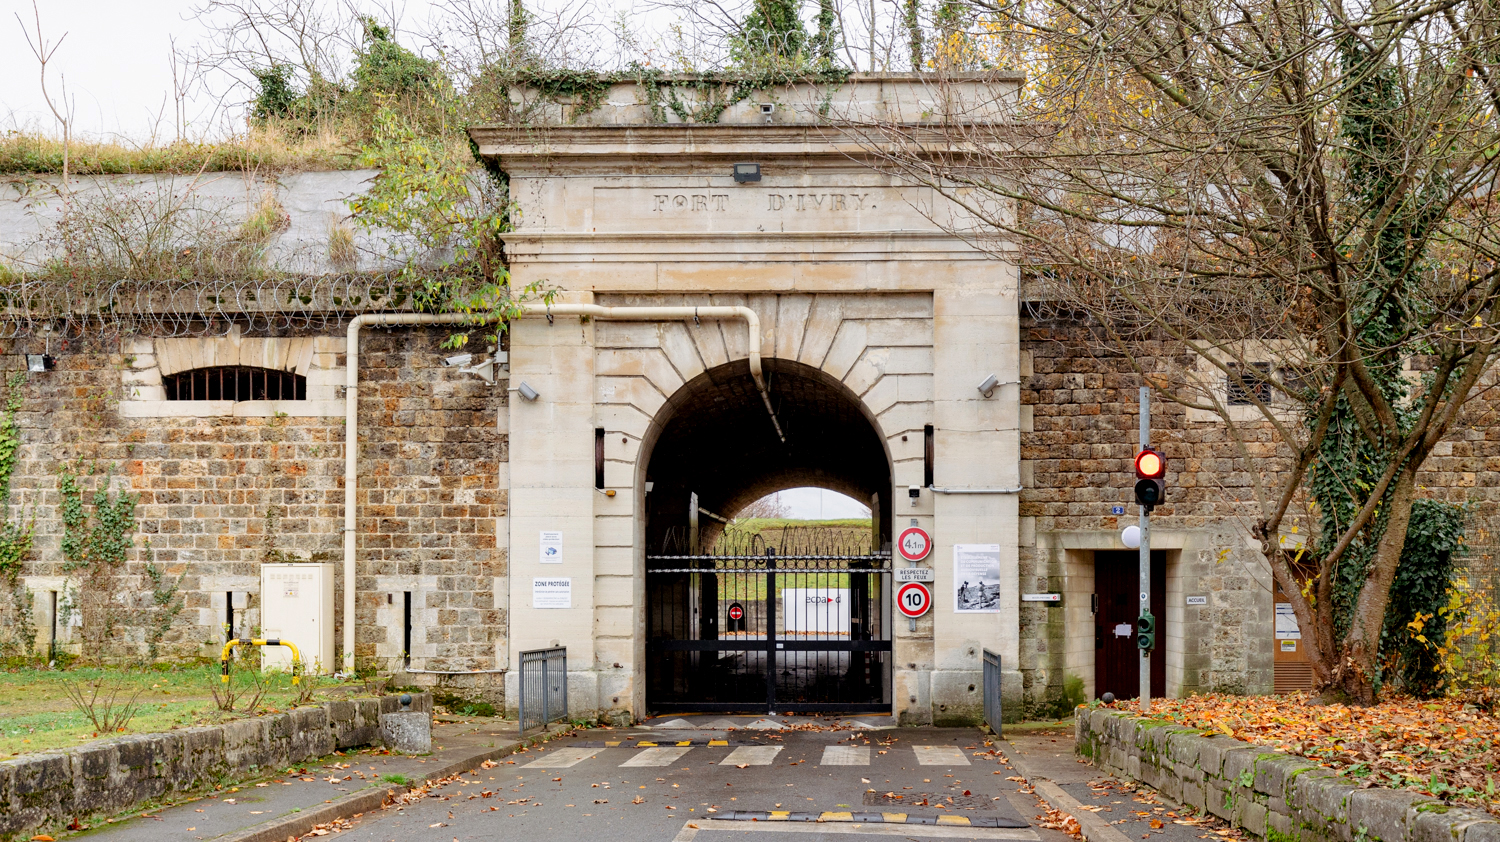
1272,795
109,776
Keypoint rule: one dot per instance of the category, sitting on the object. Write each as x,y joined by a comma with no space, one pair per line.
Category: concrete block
1486,831
1273,773
408,732
1250,815
1239,766
1381,813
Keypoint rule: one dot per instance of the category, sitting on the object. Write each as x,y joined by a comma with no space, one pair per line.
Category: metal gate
755,629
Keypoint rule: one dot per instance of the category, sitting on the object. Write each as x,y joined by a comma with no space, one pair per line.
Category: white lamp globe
1130,536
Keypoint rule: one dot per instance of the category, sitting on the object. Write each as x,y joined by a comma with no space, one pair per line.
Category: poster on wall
976,578
551,547
552,593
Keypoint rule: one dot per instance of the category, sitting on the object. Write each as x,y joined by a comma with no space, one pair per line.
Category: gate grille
752,629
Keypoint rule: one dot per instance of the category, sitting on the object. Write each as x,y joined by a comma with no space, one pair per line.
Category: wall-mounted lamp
987,388
40,362
527,392
649,486
607,492
746,173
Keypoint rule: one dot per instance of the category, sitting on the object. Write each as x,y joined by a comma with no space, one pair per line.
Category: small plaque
1288,645
1041,597
1197,600
913,574
1117,510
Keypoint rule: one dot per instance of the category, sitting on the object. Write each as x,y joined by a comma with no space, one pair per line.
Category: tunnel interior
715,439
739,625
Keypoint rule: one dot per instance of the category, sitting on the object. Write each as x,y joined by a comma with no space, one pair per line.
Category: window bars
544,687
235,383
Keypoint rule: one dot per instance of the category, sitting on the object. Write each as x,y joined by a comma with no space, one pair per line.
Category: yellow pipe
229,648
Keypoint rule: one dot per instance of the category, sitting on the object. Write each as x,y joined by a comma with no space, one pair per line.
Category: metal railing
544,687
992,691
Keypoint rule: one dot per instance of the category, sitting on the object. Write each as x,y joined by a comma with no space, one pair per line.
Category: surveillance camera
459,360
527,392
988,386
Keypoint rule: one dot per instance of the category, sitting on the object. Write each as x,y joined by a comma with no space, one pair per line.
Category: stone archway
806,633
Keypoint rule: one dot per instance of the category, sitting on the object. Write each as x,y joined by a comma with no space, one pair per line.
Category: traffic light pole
1145,556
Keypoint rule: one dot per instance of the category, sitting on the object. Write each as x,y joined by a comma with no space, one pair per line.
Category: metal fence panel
992,691
544,687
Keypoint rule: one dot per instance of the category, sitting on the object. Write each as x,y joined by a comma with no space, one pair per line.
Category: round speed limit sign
914,544
913,599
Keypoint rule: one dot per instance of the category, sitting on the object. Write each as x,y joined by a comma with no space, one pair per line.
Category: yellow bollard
271,641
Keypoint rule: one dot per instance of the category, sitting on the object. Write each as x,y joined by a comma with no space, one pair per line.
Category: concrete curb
1094,828
368,800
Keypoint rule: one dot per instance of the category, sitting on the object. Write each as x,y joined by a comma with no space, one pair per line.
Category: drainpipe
351,400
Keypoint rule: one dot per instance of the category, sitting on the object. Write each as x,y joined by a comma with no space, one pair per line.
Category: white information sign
1286,622
1197,600
552,592
551,547
913,574
976,578
820,611
1041,597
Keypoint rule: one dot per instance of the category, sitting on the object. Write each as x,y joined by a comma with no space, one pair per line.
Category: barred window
235,383
1252,384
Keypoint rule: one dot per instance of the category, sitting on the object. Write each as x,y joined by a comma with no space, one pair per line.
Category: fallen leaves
1442,748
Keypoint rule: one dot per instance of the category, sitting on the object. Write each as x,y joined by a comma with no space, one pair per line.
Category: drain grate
931,800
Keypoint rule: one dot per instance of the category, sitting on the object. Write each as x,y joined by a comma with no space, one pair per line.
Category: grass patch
36,715
259,150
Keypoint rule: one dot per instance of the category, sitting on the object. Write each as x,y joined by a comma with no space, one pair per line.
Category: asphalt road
605,786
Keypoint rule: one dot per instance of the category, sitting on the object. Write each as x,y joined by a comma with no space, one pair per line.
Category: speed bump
869,818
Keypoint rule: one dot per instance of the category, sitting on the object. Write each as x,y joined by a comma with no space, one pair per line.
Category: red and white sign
913,599
736,612
914,543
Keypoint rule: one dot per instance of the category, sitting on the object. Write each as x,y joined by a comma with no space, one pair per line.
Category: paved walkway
367,777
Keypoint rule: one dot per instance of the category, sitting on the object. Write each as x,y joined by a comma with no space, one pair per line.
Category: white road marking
562,758
662,756
910,831
845,756
940,756
751,756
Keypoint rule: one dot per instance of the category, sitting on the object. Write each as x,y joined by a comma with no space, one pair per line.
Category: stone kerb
113,775
1275,796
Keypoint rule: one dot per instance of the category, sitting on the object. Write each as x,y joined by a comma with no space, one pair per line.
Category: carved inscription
694,202
817,201
777,202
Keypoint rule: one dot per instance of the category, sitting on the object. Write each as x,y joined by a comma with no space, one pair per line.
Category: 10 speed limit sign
913,599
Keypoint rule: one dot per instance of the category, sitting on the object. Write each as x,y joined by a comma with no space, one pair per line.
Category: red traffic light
1150,465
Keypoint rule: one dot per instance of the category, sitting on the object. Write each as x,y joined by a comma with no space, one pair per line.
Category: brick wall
220,495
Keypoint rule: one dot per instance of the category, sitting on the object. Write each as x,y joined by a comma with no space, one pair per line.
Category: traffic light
1145,631
1150,482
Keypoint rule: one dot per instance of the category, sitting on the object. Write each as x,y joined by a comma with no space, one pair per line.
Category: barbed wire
200,307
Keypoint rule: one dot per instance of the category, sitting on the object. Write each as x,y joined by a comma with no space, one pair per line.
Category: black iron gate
767,632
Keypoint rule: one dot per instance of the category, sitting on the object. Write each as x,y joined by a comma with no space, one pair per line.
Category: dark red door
1116,658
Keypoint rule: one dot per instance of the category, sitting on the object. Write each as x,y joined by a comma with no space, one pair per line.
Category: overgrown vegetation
15,532
96,543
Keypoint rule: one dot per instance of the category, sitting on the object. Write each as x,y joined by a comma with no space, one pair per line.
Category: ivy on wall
95,546
15,533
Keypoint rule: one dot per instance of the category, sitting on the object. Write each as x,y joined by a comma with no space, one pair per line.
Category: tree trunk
1355,673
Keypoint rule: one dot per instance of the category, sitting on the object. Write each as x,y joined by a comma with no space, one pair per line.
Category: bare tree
44,50
1278,213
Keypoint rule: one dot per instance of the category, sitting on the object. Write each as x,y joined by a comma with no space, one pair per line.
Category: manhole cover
931,800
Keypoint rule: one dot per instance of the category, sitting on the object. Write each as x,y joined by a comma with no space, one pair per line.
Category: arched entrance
758,623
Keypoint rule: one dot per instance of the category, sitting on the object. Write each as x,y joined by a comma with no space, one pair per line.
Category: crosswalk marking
562,758
656,756
751,756
940,756
845,756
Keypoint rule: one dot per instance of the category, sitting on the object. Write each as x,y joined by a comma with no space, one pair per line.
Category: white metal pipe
938,490
351,401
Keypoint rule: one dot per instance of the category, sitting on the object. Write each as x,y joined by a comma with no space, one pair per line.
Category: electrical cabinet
297,606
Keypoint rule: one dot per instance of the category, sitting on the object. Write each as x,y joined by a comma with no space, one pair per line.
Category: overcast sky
821,504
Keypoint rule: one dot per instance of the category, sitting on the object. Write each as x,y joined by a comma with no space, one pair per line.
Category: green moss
1274,835
1433,807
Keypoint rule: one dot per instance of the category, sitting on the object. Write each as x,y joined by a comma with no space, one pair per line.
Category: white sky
820,504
